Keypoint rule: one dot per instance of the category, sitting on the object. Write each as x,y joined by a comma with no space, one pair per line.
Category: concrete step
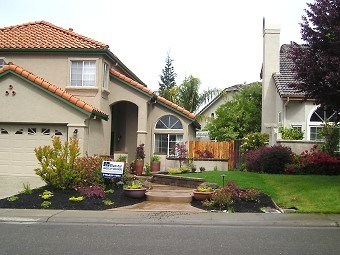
156,186
173,196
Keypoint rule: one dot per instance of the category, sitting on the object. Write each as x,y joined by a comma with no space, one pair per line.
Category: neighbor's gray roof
285,78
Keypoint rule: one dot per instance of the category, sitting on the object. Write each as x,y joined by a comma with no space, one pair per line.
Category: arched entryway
124,125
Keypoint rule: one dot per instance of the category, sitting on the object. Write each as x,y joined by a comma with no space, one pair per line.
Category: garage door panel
17,147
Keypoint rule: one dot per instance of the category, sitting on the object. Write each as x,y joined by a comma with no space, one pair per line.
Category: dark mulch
60,201
263,201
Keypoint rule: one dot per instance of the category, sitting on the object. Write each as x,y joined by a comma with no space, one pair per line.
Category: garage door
17,143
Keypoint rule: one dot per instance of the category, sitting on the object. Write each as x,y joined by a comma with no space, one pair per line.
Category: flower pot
202,195
135,193
139,165
155,166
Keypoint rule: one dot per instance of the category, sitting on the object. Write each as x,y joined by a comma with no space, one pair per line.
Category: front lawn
307,193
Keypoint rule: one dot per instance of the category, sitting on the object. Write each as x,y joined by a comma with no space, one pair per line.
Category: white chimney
270,65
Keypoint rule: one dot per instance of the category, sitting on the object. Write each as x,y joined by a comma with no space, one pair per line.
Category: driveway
13,184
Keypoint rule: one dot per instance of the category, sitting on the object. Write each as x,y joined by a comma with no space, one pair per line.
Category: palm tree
190,98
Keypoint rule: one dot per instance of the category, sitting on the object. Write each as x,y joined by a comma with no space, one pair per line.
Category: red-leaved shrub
269,159
314,161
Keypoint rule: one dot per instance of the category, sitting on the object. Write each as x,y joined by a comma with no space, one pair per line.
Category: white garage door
17,143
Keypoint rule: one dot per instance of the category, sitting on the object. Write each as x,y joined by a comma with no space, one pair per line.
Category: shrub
180,170
291,133
331,134
91,191
253,141
57,163
314,161
226,196
155,158
76,199
88,171
207,186
269,159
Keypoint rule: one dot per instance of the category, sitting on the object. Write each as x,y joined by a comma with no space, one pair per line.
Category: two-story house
283,105
55,82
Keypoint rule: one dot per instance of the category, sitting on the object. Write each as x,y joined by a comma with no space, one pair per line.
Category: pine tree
167,77
317,64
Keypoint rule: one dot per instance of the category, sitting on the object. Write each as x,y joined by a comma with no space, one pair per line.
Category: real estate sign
112,169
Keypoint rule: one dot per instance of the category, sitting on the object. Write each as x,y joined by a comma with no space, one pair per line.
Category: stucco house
209,110
283,105
55,82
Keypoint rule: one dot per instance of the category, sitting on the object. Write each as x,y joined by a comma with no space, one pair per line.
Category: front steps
170,194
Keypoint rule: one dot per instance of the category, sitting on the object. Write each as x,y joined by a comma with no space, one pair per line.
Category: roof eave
103,51
87,113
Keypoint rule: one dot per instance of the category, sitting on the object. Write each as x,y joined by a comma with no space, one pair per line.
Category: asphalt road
89,238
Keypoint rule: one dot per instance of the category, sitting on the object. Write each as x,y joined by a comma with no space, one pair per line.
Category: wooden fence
220,150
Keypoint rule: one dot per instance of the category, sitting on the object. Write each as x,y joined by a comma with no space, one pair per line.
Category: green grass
308,193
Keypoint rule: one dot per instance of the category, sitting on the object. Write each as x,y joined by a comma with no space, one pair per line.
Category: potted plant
135,189
139,162
205,191
155,163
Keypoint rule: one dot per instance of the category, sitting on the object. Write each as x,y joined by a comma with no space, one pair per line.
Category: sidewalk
116,217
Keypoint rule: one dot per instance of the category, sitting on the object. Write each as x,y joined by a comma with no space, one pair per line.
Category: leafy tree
317,63
167,77
189,97
238,117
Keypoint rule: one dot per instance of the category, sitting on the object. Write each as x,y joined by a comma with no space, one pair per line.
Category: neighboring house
209,110
283,105
54,82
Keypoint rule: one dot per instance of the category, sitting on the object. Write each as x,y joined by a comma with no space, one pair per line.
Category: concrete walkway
179,218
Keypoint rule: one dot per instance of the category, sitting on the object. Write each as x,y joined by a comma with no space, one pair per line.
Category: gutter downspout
285,111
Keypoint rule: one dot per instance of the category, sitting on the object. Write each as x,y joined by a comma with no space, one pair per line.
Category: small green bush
27,189
253,141
12,198
76,199
57,166
269,159
46,195
291,133
46,204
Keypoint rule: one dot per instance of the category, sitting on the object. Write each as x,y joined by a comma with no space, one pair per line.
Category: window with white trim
2,63
83,73
319,116
106,76
168,132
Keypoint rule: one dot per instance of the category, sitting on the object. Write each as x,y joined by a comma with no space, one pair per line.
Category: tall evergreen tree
317,64
167,77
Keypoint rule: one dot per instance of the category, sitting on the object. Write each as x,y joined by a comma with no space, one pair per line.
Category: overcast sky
217,41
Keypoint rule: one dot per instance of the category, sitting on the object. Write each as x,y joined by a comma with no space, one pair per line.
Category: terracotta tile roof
285,78
44,35
54,89
150,92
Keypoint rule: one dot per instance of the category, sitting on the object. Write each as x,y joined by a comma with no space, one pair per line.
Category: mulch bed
263,201
60,201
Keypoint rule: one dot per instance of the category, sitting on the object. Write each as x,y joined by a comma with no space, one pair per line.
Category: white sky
217,41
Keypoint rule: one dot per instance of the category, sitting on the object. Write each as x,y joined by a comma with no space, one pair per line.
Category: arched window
168,132
317,118
169,122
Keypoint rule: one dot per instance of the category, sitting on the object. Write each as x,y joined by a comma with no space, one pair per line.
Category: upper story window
83,73
106,76
2,63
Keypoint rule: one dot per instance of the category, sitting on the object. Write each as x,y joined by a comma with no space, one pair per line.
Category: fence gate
220,150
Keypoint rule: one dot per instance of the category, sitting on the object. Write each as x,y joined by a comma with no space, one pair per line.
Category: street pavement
123,217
